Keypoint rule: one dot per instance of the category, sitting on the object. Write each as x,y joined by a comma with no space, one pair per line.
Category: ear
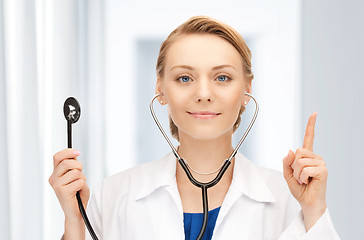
159,89
248,89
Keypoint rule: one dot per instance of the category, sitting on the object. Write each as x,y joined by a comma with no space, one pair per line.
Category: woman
203,70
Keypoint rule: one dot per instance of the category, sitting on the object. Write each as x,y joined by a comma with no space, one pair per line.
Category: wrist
74,228
314,209
311,214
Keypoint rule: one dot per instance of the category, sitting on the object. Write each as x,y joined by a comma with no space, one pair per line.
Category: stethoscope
72,112
183,163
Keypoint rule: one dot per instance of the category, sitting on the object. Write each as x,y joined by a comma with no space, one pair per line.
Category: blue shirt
193,222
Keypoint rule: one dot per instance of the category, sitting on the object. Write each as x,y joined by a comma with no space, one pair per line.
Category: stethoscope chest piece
72,110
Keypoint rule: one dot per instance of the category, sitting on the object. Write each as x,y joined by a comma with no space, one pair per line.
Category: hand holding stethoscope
68,181
306,176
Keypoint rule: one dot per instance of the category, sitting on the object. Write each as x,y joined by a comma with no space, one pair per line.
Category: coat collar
246,178
154,175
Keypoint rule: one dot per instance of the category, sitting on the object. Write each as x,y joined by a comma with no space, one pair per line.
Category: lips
204,114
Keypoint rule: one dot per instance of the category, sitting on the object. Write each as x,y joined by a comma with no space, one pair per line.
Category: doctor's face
203,85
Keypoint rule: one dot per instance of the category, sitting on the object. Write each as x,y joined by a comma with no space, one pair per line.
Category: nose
204,91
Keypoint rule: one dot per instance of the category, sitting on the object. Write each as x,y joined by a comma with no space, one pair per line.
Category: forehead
202,50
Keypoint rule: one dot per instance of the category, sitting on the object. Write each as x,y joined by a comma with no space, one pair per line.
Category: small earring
245,102
161,101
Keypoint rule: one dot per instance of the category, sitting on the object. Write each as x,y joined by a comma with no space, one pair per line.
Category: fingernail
299,182
76,152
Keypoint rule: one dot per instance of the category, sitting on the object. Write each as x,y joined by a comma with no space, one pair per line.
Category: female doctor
203,70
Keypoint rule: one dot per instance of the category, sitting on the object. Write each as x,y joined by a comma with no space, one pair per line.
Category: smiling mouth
204,114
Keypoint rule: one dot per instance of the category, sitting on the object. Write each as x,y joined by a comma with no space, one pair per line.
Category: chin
207,134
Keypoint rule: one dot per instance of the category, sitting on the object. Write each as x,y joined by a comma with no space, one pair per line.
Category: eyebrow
214,68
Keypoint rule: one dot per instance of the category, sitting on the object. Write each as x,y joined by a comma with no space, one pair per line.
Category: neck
205,155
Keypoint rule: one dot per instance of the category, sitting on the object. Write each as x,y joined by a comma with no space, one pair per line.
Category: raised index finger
310,132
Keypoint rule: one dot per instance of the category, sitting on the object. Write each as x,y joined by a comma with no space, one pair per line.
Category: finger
67,165
313,172
299,164
287,161
68,153
76,185
71,176
305,153
310,132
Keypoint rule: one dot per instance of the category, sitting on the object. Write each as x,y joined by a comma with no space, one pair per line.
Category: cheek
174,110
233,114
234,102
177,102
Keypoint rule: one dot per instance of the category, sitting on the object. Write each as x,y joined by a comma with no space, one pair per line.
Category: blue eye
222,78
184,78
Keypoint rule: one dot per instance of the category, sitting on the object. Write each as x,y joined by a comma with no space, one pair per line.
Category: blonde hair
204,24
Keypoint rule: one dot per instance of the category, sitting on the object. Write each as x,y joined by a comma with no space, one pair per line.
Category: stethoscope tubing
204,186
79,201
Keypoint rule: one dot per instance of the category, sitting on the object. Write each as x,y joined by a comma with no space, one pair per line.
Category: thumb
287,161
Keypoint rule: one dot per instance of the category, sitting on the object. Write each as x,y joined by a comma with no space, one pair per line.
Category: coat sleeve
94,213
322,230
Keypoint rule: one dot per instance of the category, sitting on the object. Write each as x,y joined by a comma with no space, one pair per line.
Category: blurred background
307,57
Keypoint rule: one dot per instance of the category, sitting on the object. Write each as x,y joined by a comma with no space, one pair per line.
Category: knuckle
67,164
325,172
75,173
57,155
299,163
302,178
71,164
80,166
82,181
295,174
55,159
50,180
304,172
64,165
78,173
285,161
298,151
56,187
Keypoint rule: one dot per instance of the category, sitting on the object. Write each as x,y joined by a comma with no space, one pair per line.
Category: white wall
333,85
98,51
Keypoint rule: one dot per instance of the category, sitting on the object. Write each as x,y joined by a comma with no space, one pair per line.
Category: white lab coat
144,203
